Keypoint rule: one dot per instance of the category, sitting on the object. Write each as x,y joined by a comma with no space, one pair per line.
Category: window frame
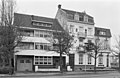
43,60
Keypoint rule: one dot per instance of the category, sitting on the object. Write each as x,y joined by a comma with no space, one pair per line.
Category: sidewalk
23,74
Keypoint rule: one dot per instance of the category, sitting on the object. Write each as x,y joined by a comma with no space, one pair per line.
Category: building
103,36
81,26
35,52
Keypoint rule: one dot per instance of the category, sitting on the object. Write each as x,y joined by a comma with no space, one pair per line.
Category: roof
73,12
98,31
26,21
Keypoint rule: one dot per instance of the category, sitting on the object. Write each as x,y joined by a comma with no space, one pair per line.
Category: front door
24,64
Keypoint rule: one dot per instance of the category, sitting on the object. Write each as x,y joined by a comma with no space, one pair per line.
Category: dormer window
71,16
90,20
40,23
102,33
85,18
81,18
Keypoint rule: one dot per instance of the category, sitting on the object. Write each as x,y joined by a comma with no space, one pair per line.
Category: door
24,64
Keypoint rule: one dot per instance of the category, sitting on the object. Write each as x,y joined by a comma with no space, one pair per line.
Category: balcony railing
81,34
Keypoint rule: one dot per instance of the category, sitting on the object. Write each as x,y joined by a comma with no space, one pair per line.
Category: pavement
34,74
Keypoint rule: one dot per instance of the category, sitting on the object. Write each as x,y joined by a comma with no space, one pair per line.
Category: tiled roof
26,21
73,12
98,30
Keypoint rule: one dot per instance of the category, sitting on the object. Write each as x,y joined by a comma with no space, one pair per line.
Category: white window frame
72,28
42,44
80,58
44,61
100,60
89,59
89,31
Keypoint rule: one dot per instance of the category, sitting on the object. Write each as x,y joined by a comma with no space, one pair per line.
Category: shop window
43,60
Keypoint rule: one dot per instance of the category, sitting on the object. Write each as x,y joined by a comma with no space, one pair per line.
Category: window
85,18
100,60
80,58
71,16
26,45
90,20
41,46
80,18
71,28
21,61
89,59
89,31
28,61
43,60
80,29
42,34
28,33
38,23
76,30
102,33
106,45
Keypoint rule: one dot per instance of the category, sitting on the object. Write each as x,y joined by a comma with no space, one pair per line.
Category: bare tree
94,50
64,43
9,33
116,48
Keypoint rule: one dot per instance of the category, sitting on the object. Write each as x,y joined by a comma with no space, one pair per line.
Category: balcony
81,35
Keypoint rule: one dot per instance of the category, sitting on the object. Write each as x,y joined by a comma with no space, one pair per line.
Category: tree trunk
95,63
10,67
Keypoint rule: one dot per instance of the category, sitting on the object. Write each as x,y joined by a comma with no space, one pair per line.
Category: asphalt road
107,75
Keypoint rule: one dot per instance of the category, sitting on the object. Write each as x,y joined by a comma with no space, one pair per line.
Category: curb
53,74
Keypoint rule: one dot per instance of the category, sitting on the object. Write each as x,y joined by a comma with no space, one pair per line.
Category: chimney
59,6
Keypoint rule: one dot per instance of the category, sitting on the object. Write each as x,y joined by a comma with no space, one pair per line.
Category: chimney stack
59,6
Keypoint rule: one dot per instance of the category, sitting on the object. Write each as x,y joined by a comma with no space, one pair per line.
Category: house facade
103,36
35,52
80,25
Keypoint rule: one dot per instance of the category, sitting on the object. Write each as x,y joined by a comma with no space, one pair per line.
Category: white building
104,36
35,52
81,26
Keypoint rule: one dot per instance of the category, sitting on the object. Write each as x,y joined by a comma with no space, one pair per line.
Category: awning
35,39
38,53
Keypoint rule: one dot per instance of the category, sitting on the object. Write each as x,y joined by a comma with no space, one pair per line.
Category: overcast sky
106,13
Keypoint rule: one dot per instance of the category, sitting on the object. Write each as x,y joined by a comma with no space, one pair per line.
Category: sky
106,13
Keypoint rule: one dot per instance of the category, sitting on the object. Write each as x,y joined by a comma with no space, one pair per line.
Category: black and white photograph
59,38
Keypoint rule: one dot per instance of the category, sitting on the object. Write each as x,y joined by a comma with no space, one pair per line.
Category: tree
63,42
94,50
9,33
116,49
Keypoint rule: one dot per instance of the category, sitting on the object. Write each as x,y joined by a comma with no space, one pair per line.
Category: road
107,75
